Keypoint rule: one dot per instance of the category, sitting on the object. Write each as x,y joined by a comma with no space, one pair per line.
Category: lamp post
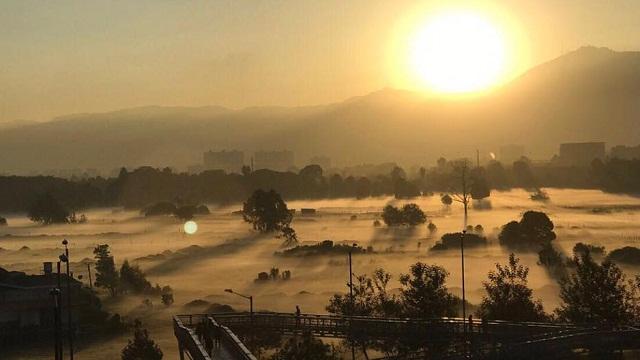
65,259
352,299
248,297
55,295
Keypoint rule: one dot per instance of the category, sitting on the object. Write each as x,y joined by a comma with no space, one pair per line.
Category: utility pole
463,198
55,294
351,311
58,316
90,281
69,316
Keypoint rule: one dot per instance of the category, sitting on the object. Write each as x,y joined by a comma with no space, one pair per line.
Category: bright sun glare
458,52
190,227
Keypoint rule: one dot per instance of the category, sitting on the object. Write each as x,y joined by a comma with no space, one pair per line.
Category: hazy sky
60,57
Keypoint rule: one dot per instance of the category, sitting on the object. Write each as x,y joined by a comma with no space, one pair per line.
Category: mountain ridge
587,94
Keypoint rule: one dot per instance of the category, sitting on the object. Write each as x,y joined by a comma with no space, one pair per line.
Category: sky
62,57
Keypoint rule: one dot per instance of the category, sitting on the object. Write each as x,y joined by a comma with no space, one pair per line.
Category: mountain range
590,94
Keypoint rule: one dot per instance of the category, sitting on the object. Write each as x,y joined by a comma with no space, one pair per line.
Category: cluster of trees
146,185
183,212
592,293
534,232
452,241
326,247
273,275
408,215
130,279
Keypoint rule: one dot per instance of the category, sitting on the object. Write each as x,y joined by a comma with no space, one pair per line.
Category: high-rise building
580,154
625,152
229,161
274,160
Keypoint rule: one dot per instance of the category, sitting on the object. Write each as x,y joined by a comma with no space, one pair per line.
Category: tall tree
508,296
106,273
266,211
424,293
596,293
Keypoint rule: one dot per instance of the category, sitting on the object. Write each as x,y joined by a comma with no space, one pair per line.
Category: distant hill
589,94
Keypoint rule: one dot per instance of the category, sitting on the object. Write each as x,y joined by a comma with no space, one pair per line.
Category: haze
73,56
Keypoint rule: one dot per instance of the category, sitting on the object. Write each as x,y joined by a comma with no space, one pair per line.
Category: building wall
229,161
581,154
274,160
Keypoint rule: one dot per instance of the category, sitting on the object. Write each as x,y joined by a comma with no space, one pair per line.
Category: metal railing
507,335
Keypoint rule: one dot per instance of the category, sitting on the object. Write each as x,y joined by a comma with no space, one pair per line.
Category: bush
627,255
160,208
583,249
326,247
451,241
141,346
409,215
3,221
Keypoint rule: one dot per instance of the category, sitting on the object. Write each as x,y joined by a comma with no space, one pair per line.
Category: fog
230,254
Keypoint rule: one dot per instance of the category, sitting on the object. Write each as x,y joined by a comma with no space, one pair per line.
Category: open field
230,255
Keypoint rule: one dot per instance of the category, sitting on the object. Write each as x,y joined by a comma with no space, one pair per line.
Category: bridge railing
187,339
231,341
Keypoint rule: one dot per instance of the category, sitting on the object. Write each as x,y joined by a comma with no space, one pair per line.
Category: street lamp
248,297
55,295
65,259
353,302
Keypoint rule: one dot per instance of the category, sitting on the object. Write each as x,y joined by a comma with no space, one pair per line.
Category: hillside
588,94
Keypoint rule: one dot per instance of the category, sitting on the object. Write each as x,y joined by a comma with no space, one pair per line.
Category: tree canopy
597,293
106,274
46,210
425,294
408,215
141,347
266,211
508,296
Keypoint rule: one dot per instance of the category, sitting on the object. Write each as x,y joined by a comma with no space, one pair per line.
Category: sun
190,227
457,52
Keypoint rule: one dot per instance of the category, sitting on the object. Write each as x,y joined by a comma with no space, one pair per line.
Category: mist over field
226,253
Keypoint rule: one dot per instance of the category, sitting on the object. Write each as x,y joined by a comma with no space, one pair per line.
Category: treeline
144,186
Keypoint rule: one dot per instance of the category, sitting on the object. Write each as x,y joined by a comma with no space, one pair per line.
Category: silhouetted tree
446,199
106,274
166,295
424,293
47,210
409,215
497,175
141,347
370,297
266,211
132,279
523,174
305,347
508,296
3,221
533,232
596,293
480,188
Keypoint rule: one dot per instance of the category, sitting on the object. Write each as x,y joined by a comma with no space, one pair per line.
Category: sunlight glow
190,227
457,52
